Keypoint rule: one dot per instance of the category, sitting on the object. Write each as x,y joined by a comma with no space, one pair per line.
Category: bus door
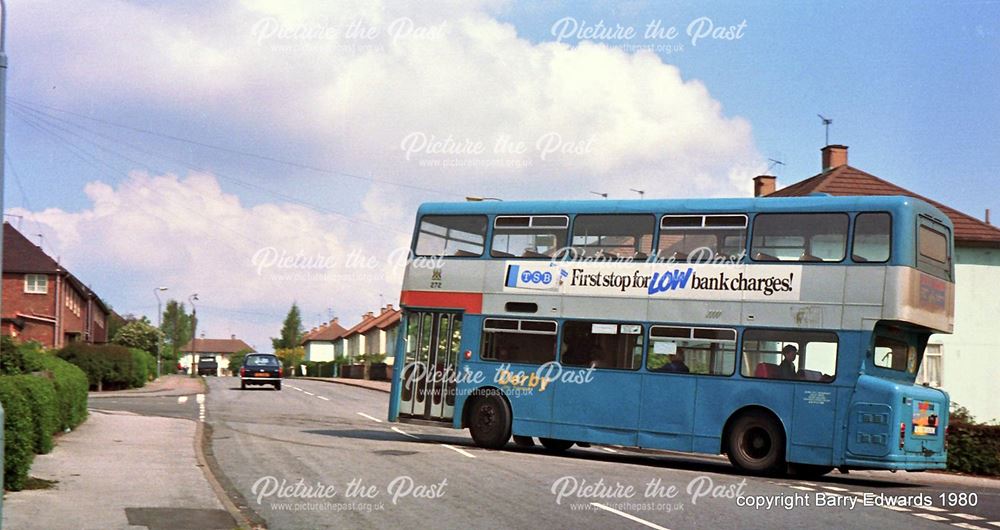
428,378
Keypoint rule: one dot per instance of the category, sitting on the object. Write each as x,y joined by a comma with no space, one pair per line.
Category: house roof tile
216,346
847,180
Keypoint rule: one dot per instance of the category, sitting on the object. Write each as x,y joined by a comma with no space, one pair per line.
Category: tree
138,334
291,331
236,360
176,327
291,358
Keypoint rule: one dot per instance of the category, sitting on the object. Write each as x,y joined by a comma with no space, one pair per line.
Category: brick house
44,302
961,363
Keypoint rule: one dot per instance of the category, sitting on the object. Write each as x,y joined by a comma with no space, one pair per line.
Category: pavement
120,470
381,386
168,385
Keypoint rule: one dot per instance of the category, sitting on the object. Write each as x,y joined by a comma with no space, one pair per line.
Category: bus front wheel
756,444
489,422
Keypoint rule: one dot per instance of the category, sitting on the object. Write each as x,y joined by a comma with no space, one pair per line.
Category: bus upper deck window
613,237
451,235
522,236
702,238
872,239
799,237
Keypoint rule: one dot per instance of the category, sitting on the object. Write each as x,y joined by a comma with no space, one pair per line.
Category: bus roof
817,202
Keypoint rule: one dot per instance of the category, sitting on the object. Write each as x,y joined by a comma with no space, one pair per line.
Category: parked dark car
207,365
261,369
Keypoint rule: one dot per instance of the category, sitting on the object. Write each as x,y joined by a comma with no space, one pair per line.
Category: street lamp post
159,324
194,330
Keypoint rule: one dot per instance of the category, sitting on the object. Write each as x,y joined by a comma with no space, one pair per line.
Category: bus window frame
487,236
562,334
567,236
484,330
662,230
801,352
938,269
691,337
847,239
854,229
571,253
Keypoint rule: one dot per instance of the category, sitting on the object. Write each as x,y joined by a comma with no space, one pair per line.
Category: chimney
987,216
834,156
335,319
764,185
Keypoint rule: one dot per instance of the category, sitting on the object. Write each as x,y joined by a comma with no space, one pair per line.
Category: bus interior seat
859,259
679,256
640,256
760,256
465,254
809,257
528,253
501,254
766,370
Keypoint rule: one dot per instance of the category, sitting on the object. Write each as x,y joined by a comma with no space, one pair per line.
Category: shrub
41,394
109,366
974,448
19,437
71,390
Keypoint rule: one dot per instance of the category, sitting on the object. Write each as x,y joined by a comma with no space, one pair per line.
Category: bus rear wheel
489,422
556,446
756,444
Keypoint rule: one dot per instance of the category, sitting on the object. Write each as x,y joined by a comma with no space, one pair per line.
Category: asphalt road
321,455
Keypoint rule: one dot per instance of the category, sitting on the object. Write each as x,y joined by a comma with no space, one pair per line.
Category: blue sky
313,130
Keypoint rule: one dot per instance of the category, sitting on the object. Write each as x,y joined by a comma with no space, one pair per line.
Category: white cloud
288,73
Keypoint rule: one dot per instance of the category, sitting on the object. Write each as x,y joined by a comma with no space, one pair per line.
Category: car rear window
261,360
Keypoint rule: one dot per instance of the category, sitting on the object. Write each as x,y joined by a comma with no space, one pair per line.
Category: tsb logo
539,277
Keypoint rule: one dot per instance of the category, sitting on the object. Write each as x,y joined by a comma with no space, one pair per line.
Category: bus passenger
786,370
676,364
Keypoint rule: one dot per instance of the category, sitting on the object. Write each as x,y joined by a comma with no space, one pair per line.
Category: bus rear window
932,250
613,237
538,236
451,235
799,237
519,341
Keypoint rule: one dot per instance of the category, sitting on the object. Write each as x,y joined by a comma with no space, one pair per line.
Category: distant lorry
207,365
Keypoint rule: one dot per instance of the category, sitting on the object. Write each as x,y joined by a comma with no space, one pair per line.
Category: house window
932,370
36,283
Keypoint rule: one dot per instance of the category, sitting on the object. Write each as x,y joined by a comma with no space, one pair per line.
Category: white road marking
804,488
856,493
400,431
627,516
608,449
460,451
324,398
931,508
182,400
896,508
807,483
995,523
308,393
200,398
970,526
834,488
931,516
297,388
968,516
363,415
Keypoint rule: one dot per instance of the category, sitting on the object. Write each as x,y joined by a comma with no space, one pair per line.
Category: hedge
41,394
974,448
19,433
71,391
110,366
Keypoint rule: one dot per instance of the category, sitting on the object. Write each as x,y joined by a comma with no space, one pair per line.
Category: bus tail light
468,354
902,434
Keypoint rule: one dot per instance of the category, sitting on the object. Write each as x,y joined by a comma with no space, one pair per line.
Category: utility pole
194,332
159,324
3,131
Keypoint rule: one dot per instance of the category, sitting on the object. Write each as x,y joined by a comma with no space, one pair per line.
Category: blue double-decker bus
782,332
